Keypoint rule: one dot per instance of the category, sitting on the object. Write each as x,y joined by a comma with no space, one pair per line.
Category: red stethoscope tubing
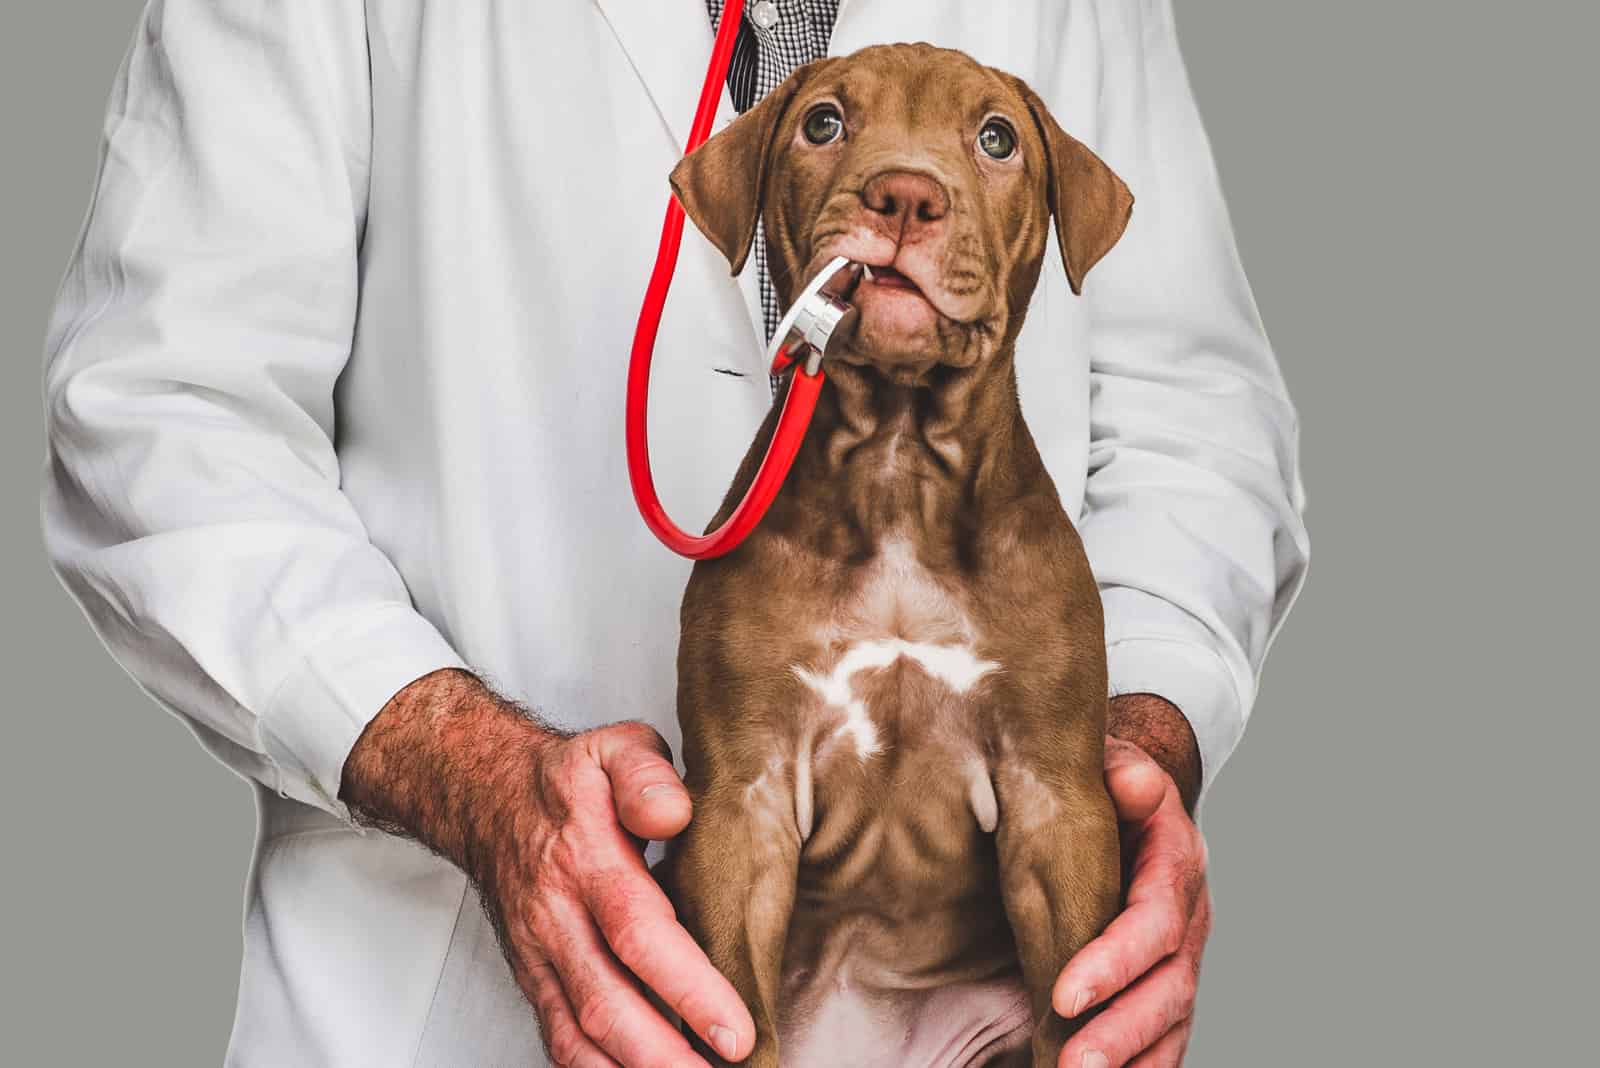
798,404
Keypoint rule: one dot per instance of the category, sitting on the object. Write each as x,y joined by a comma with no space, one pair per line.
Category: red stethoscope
804,331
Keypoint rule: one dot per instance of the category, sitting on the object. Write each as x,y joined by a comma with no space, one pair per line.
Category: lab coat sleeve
1193,506
191,494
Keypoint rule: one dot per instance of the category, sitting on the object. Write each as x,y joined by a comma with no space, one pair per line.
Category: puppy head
939,173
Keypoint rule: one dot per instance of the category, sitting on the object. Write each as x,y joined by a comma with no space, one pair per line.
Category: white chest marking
954,665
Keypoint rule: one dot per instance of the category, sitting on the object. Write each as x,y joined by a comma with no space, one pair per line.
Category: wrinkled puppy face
939,174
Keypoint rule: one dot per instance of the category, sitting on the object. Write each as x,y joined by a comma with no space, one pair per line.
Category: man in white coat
335,471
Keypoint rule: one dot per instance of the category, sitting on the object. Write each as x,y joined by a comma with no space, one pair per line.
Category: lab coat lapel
669,44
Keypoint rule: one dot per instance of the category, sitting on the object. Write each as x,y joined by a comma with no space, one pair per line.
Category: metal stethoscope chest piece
811,322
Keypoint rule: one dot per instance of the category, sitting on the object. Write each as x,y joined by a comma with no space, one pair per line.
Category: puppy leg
734,879
1060,879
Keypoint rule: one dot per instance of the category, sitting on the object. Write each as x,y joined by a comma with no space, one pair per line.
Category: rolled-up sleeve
191,500
1193,508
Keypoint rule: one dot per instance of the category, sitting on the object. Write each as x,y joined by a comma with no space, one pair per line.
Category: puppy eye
997,140
823,124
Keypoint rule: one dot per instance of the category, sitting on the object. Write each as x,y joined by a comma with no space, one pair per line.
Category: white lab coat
335,392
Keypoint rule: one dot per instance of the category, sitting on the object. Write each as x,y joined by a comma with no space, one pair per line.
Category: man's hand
550,828
1147,963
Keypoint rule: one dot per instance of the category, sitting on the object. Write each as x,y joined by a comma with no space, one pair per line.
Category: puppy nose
905,201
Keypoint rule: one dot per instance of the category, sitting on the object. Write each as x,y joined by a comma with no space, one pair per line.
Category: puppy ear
1090,203
720,183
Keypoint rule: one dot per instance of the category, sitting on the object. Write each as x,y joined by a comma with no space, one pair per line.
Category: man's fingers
1148,1025
1168,1053
610,1009
1166,884
1137,1021
564,1040
650,797
1136,941
638,923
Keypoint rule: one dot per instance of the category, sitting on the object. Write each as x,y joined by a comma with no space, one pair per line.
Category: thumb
650,798
1136,782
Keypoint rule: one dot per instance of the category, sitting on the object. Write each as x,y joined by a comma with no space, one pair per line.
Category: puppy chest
899,641
890,719
881,694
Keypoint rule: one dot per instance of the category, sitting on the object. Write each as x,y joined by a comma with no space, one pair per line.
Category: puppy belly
899,953
962,1025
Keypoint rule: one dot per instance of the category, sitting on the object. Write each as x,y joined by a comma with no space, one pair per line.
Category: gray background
1404,858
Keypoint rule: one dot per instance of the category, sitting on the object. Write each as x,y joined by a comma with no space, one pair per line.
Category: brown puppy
893,696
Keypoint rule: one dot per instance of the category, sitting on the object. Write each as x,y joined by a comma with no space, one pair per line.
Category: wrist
436,761
1160,728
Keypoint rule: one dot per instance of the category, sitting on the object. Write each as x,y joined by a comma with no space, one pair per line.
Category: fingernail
726,1041
1095,1059
1081,1002
650,791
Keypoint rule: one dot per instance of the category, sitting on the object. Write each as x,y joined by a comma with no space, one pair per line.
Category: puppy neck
882,455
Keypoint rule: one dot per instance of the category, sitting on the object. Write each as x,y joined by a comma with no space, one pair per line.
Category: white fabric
335,392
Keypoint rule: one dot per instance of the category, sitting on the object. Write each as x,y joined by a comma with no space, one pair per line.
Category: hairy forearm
427,763
1156,725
